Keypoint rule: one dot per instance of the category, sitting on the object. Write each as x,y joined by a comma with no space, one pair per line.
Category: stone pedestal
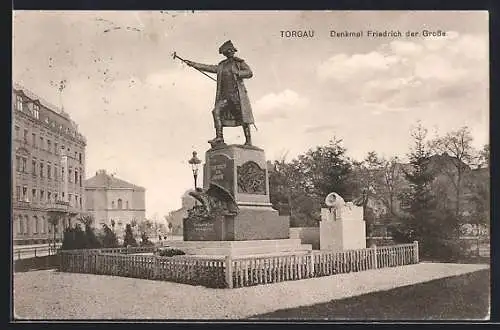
240,248
242,172
342,229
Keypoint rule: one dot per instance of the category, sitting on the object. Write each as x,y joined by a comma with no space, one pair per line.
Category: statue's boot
219,138
248,137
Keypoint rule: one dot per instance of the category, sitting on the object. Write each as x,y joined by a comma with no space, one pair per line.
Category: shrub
108,238
129,238
145,240
170,252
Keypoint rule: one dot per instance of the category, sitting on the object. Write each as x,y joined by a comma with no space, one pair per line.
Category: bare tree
458,145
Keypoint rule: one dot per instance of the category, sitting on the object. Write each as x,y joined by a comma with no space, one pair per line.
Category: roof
105,180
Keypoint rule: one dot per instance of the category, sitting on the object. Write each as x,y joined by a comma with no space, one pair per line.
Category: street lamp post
195,166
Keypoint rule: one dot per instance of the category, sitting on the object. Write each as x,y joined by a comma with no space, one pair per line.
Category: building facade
48,163
114,202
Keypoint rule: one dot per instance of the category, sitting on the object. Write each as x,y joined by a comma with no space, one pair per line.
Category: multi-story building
114,202
48,163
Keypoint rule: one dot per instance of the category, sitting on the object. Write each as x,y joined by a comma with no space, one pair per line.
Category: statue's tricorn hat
226,46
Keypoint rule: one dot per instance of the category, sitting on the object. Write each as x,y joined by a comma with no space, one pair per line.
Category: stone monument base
344,230
239,248
342,235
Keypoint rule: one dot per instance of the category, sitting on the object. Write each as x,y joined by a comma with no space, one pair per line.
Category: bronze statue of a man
232,106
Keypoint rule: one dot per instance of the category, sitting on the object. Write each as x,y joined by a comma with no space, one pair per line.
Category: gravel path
54,295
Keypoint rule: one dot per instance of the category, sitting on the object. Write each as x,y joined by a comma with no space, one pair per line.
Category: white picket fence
233,272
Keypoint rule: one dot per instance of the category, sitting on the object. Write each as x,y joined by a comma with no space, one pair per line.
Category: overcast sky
144,113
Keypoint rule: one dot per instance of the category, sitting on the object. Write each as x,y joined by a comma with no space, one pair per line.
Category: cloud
319,129
402,75
279,105
341,67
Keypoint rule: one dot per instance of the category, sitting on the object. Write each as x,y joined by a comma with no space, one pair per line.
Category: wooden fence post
229,271
311,262
415,251
375,262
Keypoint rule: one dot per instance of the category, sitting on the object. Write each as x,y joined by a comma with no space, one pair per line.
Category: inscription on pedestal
251,179
203,229
221,172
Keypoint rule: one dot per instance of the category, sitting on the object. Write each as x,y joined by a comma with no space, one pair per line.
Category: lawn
453,298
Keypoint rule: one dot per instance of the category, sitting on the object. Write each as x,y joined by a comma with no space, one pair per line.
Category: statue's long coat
244,72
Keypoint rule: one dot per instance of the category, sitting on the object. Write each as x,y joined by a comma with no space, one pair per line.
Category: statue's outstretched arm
203,67
245,71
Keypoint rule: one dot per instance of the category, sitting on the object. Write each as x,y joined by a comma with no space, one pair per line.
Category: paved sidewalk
53,295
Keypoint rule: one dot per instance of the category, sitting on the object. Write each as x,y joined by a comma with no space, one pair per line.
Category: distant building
48,160
176,217
110,199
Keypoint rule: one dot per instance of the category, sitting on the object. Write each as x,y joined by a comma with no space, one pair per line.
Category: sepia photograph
250,166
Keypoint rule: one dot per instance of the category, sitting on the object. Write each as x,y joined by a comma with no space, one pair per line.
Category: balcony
62,207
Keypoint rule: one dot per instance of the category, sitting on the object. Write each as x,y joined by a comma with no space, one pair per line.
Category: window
112,204
23,164
55,196
25,135
49,172
63,178
49,196
18,163
18,193
33,139
35,224
41,170
36,111
76,200
80,157
17,130
126,203
18,224
33,195
55,172
25,193
119,204
33,167
42,196
55,148
41,142
80,180
70,200
19,102
76,154
70,174
81,205
76,176
21,222
49,146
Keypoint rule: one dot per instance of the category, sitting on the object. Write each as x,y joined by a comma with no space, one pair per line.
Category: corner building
48,163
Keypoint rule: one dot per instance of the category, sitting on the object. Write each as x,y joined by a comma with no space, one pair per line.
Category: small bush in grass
145,240
170,252
129,237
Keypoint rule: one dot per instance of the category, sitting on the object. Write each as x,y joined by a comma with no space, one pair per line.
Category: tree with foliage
302,184
433,227
129,239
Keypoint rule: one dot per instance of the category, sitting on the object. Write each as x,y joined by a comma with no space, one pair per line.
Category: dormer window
19,102
36,111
